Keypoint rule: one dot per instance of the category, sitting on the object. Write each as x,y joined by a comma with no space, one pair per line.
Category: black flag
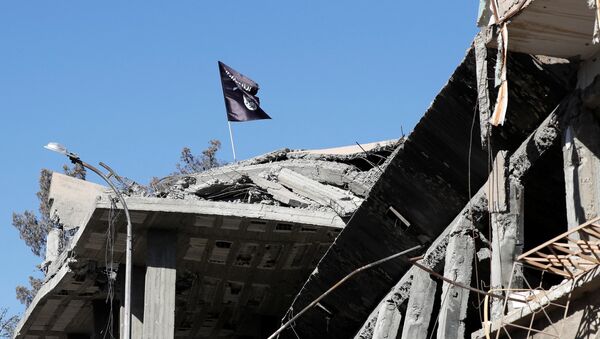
241,101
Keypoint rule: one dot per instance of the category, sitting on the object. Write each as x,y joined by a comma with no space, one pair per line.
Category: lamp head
58,148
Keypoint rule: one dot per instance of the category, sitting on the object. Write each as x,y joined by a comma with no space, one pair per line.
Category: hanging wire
113,214
292,325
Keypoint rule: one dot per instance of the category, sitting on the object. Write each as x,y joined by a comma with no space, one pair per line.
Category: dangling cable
109,267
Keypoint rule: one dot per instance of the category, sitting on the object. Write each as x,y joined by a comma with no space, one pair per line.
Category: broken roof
335,178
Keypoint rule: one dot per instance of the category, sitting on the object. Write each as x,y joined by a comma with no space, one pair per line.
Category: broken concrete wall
72,198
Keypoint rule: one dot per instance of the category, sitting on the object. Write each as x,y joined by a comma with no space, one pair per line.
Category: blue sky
131,83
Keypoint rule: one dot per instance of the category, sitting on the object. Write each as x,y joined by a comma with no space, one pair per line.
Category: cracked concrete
334,178
519,164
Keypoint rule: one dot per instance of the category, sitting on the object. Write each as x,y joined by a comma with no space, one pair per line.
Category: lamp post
56,147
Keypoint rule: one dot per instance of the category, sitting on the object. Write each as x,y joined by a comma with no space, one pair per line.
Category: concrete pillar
581,156
506,207
159,301
420,306
388,321
138,278
457,267
507,245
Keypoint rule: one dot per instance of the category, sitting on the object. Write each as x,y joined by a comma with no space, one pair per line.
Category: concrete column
457,267
159,301
506,207
137,300
581,156
388,321
420,306
507,245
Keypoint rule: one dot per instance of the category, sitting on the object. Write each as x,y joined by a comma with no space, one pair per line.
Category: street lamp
56,147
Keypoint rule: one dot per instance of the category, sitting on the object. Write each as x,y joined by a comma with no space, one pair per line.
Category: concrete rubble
257,179
235,251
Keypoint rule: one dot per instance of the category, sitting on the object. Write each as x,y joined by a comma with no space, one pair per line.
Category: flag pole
231,138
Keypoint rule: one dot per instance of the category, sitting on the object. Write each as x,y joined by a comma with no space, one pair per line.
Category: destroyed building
499,185
496,193
220,253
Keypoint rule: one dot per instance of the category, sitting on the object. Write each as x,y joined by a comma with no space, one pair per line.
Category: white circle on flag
250,104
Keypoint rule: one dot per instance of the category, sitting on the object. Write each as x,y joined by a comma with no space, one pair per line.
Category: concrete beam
159,298
342,202
457,267
537,143
519,164
279,192
420,306
328,172
228,209
350,151
388,321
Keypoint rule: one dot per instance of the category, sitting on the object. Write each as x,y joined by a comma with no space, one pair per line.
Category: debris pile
337,178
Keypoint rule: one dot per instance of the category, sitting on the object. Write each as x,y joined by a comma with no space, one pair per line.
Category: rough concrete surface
455,299
420,306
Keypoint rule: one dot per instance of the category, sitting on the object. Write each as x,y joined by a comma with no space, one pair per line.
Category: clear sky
130,83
